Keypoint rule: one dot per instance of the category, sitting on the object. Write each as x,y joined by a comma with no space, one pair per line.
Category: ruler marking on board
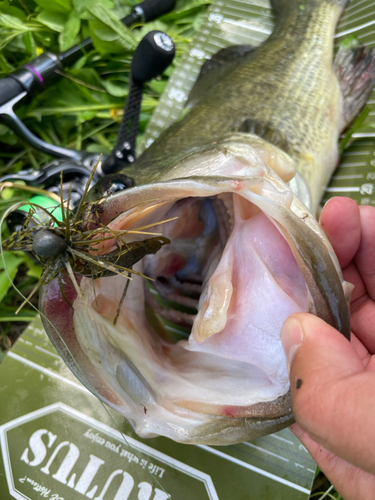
266,451
351,165
352,189
282,439
251,467
354,5
244,25
351,21
355,153
347,16
45,351
49,373
353,30
345,177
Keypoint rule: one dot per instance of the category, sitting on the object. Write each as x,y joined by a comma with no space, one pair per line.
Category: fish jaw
226,383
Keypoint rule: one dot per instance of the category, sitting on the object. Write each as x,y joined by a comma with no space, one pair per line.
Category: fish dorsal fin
216,68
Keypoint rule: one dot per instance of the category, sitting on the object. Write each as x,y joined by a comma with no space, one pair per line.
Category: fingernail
291,338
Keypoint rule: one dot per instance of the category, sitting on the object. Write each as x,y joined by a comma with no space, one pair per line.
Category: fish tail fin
355,70
282,5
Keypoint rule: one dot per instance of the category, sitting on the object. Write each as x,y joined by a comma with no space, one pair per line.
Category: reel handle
153,55
152,9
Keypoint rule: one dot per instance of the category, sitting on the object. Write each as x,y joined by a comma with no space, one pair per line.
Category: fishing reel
70,172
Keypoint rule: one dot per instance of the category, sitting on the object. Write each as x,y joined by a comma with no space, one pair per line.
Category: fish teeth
225,211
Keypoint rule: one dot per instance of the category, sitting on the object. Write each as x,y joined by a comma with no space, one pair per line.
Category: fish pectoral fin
216,68
355,70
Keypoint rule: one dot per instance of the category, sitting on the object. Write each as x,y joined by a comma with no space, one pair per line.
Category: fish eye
118,184
109,185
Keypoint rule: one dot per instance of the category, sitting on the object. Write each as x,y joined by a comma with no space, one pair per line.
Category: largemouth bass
239,179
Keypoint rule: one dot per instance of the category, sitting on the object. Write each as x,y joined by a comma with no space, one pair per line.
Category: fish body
285,91
244,251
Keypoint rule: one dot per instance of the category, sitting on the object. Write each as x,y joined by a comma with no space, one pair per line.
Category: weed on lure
70,245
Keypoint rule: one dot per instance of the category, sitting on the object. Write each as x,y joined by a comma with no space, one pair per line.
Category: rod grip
9,88
153,9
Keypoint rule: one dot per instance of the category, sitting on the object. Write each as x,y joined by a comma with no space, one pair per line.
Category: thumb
333,396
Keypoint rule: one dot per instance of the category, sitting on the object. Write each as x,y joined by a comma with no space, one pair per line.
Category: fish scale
235,22
274,104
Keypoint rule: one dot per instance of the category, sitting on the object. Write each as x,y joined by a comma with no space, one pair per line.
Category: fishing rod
153,55
33,76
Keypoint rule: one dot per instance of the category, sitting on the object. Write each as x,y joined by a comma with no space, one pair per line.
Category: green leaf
12,22
17,317
30,44
55,5
5,66
349,42
3,129
7,193
86,116
116,87
97,148
186,9
12,11
158,86
154,25
54,20
5,39
34,270
100,45
70,32
80,63
104,33
75,110
12,262
198,20
124,36
8,313
82,5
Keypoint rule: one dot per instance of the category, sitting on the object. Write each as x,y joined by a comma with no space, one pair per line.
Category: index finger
365,257
340,220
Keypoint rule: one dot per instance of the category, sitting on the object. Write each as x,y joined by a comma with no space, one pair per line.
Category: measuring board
233,22
43,396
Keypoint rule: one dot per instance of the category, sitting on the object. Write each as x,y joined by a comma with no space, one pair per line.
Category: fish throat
180,273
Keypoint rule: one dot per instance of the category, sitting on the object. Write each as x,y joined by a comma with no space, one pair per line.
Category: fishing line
92,390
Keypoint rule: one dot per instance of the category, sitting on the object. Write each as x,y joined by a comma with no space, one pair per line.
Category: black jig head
48,244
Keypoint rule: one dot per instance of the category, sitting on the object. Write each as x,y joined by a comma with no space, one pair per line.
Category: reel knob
153,55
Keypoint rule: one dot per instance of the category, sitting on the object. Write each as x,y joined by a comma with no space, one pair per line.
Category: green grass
83,109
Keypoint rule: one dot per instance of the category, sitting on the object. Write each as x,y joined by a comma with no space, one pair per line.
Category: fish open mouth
233,272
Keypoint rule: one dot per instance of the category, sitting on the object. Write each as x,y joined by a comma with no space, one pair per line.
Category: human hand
332,380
